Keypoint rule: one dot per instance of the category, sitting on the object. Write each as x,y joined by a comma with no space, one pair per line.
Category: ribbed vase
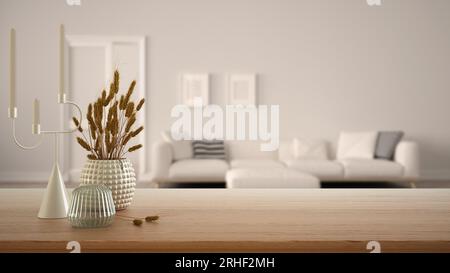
117,175
92,206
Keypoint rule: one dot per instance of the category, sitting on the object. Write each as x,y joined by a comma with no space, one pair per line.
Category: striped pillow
208,149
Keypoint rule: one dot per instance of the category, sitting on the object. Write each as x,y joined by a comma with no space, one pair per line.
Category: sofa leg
413,184
156,185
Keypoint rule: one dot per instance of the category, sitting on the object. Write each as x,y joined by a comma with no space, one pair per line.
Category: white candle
36,113
61,64
12,70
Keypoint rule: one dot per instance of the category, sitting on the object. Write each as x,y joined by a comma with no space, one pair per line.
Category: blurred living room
123,120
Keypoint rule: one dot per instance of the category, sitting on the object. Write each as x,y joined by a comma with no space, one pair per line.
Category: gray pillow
208,149
386,144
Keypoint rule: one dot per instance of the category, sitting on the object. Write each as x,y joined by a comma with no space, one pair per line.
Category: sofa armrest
407,154
161,160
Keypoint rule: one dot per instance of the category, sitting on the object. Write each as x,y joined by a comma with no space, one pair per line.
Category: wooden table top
221,220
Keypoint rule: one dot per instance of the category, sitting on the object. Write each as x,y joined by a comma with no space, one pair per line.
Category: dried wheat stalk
111,122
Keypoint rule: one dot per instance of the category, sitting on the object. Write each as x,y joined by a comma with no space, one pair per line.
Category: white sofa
247,155
270,178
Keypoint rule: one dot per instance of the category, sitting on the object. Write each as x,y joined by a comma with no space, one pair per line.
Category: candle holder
55,203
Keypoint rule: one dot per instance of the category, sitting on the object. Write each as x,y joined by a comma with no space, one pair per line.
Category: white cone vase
55,203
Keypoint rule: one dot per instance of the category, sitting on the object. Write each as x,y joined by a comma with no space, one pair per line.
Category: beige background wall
329,64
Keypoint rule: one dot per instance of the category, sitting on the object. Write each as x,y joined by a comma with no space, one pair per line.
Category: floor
430,184
332,185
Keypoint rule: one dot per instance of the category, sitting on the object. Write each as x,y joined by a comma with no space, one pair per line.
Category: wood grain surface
221,220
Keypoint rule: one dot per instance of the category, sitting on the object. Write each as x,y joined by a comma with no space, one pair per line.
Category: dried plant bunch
111,121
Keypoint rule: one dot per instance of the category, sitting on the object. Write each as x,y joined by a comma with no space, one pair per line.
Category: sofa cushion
198,170
270,178
208,149
181,149
310,149
357,145
286,150
323,169
371,169
255,163
241,149
386,144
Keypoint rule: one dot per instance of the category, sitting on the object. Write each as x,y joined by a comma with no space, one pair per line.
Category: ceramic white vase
117,175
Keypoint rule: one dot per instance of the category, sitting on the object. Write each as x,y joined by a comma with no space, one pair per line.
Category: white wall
330,64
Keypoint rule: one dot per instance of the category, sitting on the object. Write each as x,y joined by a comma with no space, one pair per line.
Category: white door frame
107,43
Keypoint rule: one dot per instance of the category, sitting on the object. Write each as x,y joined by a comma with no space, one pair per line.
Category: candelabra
55,203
